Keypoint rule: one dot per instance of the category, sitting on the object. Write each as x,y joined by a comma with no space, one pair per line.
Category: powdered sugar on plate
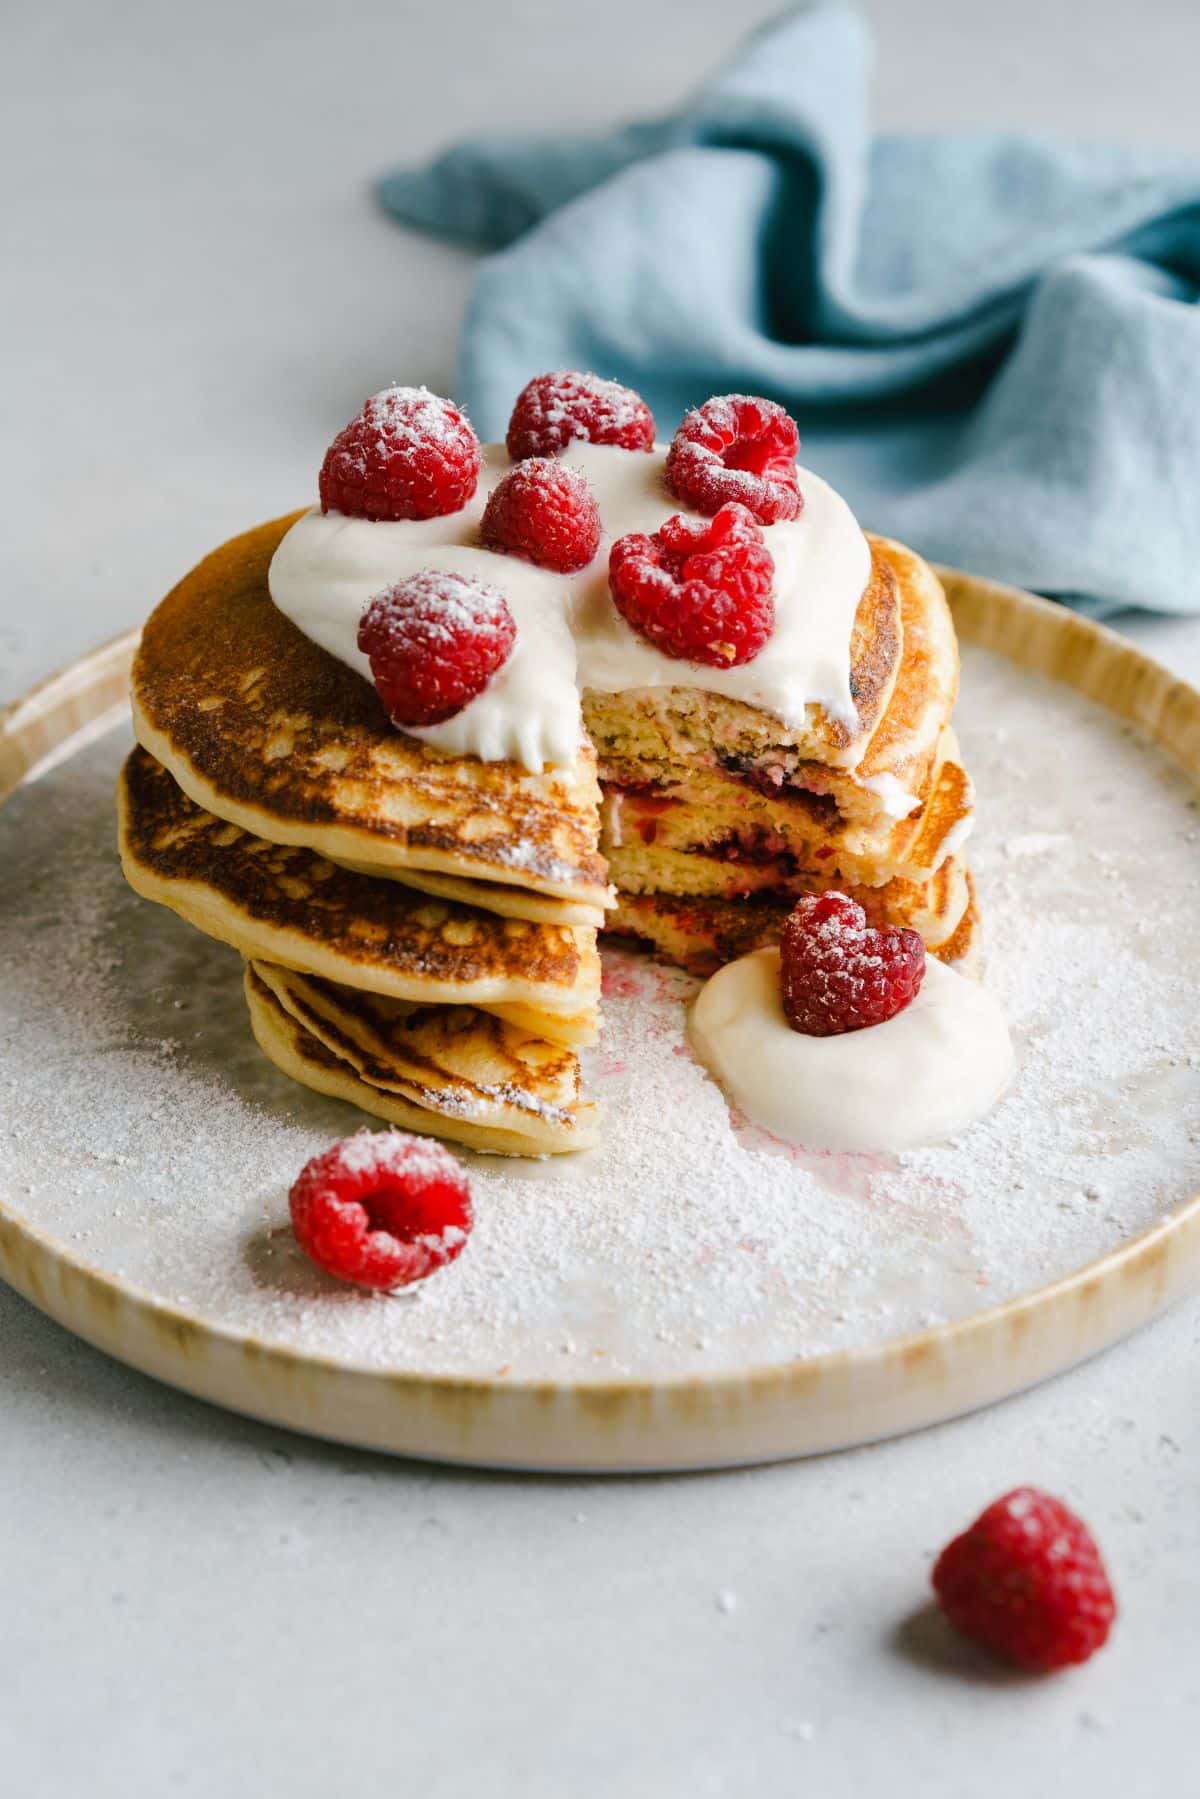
140,1125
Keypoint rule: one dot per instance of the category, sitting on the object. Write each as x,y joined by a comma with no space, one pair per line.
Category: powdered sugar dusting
143,1128
621,405
455,602
566,406
395,1152
409,417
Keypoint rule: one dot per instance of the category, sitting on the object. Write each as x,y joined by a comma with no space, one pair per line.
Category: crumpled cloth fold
990,341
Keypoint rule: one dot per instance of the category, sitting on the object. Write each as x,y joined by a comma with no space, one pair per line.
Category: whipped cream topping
958,833
569,634
894,798
922,1076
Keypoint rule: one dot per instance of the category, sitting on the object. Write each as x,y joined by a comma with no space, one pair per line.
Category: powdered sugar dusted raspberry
434,642
545,512
397,1153
1028,1582
737,447
699,592
566,407
837,974
408,455
381,1209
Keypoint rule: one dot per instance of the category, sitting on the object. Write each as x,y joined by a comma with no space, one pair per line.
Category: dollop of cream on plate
920,1077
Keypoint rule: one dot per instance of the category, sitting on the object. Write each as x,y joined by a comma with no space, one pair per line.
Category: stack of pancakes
419,928
715,816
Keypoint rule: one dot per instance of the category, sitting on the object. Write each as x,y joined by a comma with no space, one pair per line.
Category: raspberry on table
838,974
737,447
698,589
408,454
543,510
1027,1582
565,406
434,641
381,1209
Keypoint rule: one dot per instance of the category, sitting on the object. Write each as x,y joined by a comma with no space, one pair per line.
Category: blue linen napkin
991,341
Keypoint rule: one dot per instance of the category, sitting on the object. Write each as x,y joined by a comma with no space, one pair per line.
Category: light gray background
197,293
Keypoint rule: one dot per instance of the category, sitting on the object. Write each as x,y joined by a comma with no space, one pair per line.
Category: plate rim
896,1384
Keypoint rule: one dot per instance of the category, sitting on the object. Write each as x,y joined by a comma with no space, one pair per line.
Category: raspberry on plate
381,1209
698,589
838,974
566,406
1028,1582
434,641
543,510
408,454
737,447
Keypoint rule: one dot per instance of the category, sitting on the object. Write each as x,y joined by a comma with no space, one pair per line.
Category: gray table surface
197,294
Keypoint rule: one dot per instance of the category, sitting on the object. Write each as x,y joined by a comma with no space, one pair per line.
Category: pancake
701,934
282,904
468,1067
670,739
262,728
508,902
650,734
304,1058
718,838
903,754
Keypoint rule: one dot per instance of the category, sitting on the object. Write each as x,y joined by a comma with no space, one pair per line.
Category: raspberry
737,448
545,512
554,410
698,590
382,1209
837,974
1027,1581
434,642
408,454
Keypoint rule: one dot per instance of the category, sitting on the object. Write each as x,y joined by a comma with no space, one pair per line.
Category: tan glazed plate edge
761,1414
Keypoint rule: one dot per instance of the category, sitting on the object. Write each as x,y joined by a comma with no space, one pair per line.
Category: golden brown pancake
264,729
304,1058
721,838
904,748
652,734
509,902
670,739
279,903
469,1067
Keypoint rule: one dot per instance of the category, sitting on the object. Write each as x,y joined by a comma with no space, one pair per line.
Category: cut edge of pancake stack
714,823
418,928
